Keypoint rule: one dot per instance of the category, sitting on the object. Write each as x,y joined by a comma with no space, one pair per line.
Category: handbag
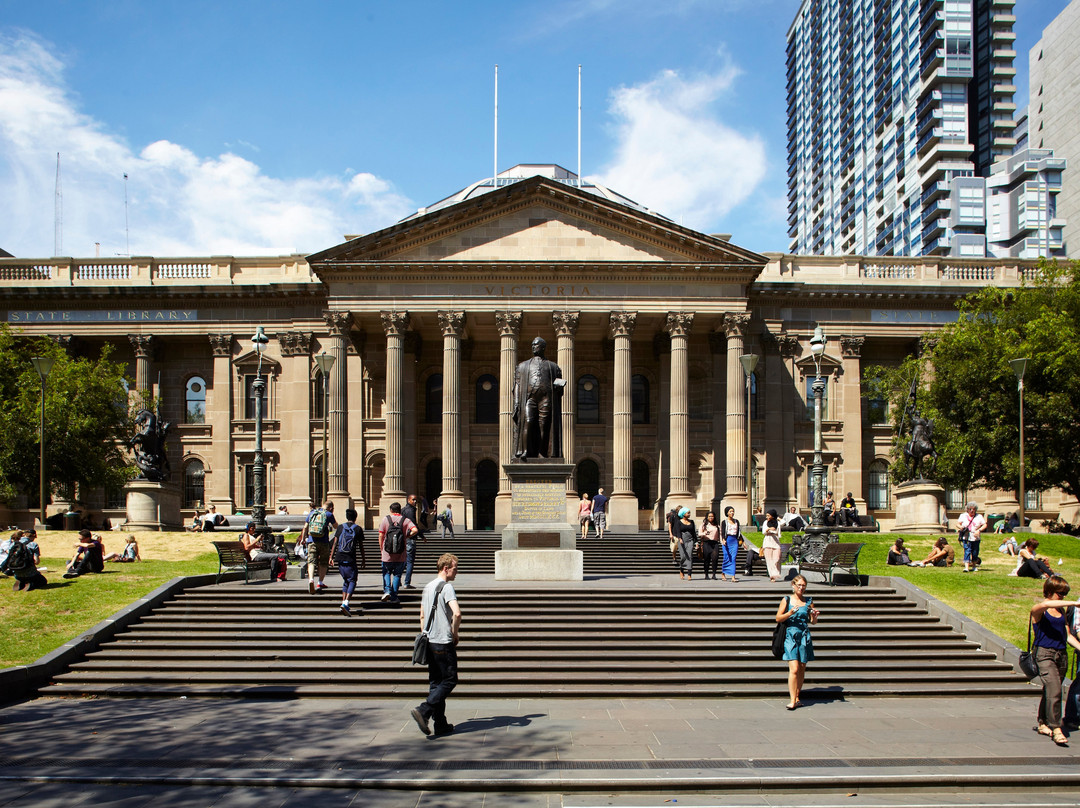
420,644
780,634
1027,659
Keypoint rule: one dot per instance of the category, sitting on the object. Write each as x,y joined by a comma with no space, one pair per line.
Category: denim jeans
410,559
391,577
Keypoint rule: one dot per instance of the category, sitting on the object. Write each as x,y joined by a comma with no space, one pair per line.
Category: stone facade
427,319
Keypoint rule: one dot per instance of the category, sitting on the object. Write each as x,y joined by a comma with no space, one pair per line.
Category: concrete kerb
987,640
24,680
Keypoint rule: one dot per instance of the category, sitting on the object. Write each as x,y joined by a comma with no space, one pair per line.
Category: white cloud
180,203
674,154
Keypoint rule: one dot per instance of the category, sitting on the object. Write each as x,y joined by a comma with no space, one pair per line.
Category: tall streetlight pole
258,468
1019,366
817,509
325,362
42,364
749,362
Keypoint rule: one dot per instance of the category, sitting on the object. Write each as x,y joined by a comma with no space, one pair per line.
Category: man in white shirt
969,528
440,600
792,520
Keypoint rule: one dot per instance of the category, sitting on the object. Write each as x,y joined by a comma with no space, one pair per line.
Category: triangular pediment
537,220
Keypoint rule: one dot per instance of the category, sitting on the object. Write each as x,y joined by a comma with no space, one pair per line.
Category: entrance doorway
487,488
587,478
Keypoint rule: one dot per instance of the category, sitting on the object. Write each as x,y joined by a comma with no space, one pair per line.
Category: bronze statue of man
538,388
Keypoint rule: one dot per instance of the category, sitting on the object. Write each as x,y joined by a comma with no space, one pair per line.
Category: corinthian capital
565,322
395,323
142,344
851,347
221,344
295,343
338,323
736,323
452,323
622,323
508,323
678,323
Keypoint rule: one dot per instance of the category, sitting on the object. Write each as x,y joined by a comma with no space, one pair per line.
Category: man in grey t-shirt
442,646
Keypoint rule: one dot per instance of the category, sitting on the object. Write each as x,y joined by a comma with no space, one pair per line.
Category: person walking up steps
350,557
599,513
320,525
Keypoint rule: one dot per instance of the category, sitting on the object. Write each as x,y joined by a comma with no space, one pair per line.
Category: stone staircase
598,638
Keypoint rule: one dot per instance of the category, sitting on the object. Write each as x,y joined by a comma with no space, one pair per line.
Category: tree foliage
967,386
86,417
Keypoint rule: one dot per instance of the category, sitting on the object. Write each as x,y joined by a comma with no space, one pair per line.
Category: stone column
452,325
717,385
678,327
735,325
509,325
338,323
623,505
218,482
851,416
143,345
395,324
294,416
566,325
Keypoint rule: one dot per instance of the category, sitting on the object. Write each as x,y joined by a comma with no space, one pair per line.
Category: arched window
433,479
753,397
587,478
318,395
487,399
433,406
194,475
641,478
755,486
878,494
588,400
195,401
639,394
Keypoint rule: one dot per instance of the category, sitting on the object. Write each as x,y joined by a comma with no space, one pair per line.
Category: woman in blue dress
729,543
799,614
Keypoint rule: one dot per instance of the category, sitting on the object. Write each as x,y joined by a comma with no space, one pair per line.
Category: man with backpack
350,556
410,513
320,526
21,562
393,531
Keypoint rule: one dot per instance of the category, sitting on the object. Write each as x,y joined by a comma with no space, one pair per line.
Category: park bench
233,558
836,556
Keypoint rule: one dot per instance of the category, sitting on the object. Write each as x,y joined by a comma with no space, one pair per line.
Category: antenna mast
58,213
579,126
495,164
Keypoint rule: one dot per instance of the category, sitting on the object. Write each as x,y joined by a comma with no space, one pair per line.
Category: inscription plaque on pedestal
538,501
538,543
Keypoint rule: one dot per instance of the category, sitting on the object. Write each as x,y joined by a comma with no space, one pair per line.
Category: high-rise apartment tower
889,101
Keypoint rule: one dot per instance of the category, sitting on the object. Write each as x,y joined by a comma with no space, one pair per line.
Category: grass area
35,623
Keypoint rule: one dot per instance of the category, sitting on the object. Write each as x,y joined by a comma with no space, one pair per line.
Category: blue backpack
346,546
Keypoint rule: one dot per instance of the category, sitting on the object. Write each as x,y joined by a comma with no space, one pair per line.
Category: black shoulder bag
780,634
1027,659
420,644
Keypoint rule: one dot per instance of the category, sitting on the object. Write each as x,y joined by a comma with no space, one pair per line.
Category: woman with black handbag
799,614
1053,631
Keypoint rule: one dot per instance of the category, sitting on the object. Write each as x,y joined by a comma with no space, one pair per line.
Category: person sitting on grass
1009,546
898,556
89,555
1031,565
130,553
941,554
23,556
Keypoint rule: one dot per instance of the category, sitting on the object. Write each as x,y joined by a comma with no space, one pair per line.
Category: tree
86,417
968,387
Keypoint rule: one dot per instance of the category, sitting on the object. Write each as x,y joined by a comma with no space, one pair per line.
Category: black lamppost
325,362
817,509
258,468
1019,366
42,364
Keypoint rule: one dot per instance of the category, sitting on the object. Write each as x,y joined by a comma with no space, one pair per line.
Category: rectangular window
810,399
249,485
249,397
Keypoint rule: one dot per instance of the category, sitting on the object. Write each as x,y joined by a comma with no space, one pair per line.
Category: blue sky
271,127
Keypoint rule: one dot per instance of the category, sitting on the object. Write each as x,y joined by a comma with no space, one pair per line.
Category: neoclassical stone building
427,319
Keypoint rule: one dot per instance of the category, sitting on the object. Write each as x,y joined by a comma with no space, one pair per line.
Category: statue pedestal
153,506
920,507
539,543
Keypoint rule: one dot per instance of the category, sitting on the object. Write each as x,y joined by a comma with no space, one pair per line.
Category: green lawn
35,623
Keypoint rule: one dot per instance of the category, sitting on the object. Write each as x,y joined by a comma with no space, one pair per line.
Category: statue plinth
539,543
920,507
153,506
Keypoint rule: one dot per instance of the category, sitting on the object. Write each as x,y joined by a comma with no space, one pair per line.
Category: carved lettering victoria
538,290
539,501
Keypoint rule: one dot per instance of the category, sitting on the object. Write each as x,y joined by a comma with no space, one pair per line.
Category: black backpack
346,546
19,558
394,543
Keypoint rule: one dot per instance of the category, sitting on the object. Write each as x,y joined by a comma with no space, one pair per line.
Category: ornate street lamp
1019,366
42,364
325,362
258,468
817,508
749,362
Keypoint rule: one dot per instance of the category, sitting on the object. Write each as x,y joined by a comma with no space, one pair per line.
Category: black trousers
711,554
442,679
